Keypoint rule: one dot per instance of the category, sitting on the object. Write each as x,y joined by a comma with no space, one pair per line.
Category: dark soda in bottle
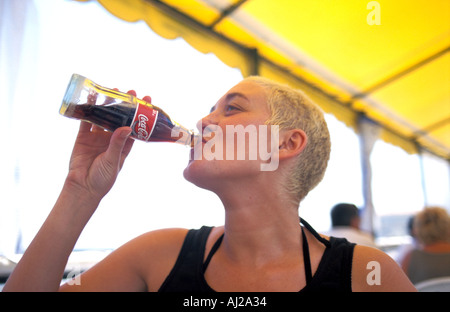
111,109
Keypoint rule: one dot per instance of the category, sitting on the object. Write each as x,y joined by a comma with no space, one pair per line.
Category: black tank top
333,273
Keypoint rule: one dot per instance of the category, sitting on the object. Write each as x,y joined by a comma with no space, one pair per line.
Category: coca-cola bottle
111,109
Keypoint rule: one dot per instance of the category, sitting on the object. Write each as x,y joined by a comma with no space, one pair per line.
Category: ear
292,143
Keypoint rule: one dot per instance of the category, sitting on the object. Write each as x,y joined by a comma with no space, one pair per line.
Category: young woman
262,245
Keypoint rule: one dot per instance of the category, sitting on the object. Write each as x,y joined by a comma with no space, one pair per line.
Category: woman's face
230,146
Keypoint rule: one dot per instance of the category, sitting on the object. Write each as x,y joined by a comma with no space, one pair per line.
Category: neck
260,228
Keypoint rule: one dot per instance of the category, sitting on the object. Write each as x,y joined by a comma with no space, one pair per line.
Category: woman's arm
141,264
96,160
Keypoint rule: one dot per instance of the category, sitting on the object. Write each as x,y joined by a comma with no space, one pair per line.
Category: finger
147,99
126,151
128,145
96,128
92,97
110,99
84,127
116,146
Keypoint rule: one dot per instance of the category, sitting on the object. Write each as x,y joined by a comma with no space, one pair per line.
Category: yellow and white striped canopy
387,60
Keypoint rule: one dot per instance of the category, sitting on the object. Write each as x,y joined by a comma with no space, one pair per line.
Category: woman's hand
97,158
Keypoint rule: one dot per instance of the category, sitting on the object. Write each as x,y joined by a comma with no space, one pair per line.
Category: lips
197,139
197,146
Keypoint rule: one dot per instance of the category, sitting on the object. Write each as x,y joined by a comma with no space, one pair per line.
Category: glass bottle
111,109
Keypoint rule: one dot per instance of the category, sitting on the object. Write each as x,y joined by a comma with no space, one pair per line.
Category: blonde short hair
292,109
432,225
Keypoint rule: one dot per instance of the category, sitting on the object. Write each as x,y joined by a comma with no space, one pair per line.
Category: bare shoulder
141,264
164,238
155,253
373,270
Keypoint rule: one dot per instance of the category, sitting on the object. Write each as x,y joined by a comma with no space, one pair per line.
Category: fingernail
125,133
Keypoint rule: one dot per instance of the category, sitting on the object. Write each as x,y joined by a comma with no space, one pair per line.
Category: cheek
252,143
230,151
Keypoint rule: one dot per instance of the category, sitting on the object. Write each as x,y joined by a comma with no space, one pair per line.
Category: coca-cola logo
142,127
143,122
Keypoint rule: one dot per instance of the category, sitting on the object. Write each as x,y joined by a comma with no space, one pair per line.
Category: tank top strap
306,258
212,252
305,246
313,232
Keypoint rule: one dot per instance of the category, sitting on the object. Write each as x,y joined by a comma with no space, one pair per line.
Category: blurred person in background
345,222
431,259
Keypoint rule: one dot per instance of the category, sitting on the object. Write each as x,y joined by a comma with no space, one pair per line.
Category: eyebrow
230,97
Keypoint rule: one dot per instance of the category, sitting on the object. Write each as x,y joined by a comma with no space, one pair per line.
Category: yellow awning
387,60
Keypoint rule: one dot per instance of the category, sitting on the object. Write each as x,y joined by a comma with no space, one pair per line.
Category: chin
209,175
198,174
214,175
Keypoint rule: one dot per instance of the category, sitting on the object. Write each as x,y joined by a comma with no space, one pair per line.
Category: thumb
116,145
105,169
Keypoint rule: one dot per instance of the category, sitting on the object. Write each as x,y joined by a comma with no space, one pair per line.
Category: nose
206,121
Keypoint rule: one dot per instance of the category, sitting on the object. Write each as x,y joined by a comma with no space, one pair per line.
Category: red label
144,122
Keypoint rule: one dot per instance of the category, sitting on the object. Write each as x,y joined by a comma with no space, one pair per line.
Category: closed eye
232,108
